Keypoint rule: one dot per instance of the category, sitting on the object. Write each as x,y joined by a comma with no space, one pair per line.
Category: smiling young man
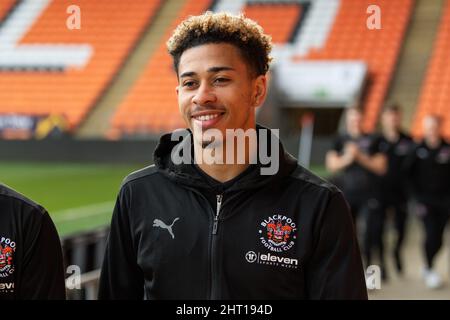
218,225
428,172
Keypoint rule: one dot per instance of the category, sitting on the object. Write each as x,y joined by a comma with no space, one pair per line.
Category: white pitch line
83,212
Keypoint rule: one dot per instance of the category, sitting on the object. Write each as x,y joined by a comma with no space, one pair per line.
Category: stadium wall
124,151
71,150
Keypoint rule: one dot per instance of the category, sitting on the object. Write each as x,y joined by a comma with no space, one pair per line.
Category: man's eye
221,80
189,84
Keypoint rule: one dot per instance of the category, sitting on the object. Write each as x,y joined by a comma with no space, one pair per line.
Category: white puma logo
162,225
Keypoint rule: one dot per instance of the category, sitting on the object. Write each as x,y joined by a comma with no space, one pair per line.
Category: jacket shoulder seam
307,176
12,194
141,173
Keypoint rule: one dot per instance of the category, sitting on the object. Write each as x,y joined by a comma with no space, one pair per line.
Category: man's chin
206,144
210,144
210,138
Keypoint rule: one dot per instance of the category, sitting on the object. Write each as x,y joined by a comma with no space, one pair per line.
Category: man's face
431,128
391,120
353,122
216,89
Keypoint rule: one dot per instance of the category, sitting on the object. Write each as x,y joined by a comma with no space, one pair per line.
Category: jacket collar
187,175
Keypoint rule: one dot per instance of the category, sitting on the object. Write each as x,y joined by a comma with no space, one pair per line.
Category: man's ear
260,91
177,89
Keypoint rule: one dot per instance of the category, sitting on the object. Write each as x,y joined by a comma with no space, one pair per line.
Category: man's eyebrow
218,69
211,70
187,74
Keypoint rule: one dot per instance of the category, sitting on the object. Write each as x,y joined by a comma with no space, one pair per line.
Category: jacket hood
186,174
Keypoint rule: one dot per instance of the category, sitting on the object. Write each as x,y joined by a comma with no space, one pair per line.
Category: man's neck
355,134
224,172
391,135
433,143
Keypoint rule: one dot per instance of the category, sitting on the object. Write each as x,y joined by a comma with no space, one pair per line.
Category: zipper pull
216,217
216,224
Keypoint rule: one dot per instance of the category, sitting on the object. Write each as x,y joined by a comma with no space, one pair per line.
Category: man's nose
204,95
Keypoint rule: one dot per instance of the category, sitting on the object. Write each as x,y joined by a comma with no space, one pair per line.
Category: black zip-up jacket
284,236
428,171
357,182
393,183
31,263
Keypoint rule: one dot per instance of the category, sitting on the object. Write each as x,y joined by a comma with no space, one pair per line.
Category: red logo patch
7,249
278,233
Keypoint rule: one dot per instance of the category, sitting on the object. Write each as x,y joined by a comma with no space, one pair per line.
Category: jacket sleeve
335,270
43,268
121,277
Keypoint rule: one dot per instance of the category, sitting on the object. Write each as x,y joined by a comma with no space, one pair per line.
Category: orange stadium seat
350,39
5,7
110,27
151,105
435,97
278,20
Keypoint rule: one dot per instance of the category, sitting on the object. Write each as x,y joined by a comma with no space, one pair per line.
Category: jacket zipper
214,270
213,289
216,217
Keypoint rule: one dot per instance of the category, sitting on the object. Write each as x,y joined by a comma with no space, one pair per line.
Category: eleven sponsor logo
7,287
271,259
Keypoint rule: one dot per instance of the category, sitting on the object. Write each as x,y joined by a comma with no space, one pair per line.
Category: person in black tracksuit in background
188,228
428,170
396,145
357,165
31,263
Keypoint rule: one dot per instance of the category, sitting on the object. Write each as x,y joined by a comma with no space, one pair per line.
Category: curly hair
242,32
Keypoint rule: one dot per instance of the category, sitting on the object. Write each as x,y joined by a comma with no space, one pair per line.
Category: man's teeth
207,117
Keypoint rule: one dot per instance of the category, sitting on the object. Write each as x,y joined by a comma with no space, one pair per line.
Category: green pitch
78,197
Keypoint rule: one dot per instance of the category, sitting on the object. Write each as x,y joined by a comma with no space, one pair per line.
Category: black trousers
373,228
400,215
434,220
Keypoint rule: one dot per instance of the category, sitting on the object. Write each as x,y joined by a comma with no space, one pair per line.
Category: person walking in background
357,164
396,145
428,171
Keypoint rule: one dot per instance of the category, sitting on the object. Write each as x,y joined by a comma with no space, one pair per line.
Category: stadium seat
350,39
434,97
110,27
5,7
278,20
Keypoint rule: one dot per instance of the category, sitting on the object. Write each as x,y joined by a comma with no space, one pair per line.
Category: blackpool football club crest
278,233
7,249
